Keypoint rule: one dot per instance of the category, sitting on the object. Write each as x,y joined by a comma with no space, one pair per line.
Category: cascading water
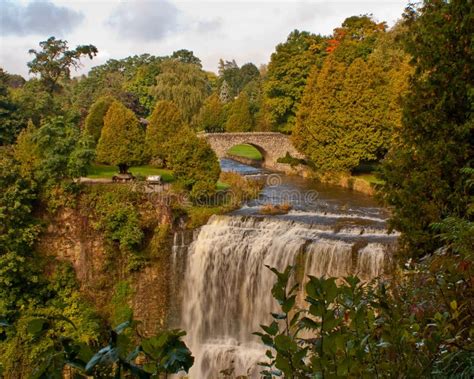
226,288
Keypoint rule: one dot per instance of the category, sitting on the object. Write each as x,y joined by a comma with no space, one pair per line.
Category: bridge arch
271,145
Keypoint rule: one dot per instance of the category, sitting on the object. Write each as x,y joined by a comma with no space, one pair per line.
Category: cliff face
72,236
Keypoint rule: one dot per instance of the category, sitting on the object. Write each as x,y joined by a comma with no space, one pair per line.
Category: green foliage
19,275
233,78
239,118
186,56
95,119
355,38
186,85
120,308
287,73
34,103
56,151
165,122
31,346
54,61
117,215
10,121
350,329
194,164
422,176
211,117
350,111
122,138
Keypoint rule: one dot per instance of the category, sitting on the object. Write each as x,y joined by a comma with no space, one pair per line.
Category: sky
244,30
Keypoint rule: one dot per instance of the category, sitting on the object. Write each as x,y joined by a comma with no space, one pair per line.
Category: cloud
145,20
38,17
209,26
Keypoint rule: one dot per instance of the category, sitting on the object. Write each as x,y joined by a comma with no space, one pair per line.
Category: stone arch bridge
271,145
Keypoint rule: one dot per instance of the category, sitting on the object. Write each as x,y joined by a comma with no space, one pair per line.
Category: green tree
186,56
54,61
211,117
355,38
225,95
287,73
350,112
10,122
194,164
165,122
184,84
95,119
423,184
239,118
34,103
122,138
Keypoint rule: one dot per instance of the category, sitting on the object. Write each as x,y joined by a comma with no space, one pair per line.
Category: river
226,288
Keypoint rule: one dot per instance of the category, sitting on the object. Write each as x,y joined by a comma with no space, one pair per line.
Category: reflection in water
227,288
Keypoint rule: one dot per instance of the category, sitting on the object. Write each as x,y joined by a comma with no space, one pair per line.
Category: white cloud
144,20
246,31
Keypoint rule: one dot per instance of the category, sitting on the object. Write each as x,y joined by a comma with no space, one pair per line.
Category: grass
370,178
245,151
106,172
222,186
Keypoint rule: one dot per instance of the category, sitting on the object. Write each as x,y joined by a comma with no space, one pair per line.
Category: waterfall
226,288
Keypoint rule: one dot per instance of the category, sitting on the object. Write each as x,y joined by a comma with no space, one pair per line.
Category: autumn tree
287,73
184,84
55,60
239,118
122,139
95,119
423,172
211,117
194,164
165,122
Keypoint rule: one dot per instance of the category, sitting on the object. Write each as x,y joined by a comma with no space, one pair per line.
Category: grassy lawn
246,151
106,172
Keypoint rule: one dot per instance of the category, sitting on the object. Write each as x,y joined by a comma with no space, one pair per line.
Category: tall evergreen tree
423,171
211,117
239,118
95,118
122,138
165,122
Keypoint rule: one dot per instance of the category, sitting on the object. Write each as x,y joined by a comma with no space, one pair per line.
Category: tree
194,164
288,70
54,61
211,117
165,122
225,95
95,119
186,56
34,103
239,118
355,38
122,138
184,84
422,172
10,121
350,112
